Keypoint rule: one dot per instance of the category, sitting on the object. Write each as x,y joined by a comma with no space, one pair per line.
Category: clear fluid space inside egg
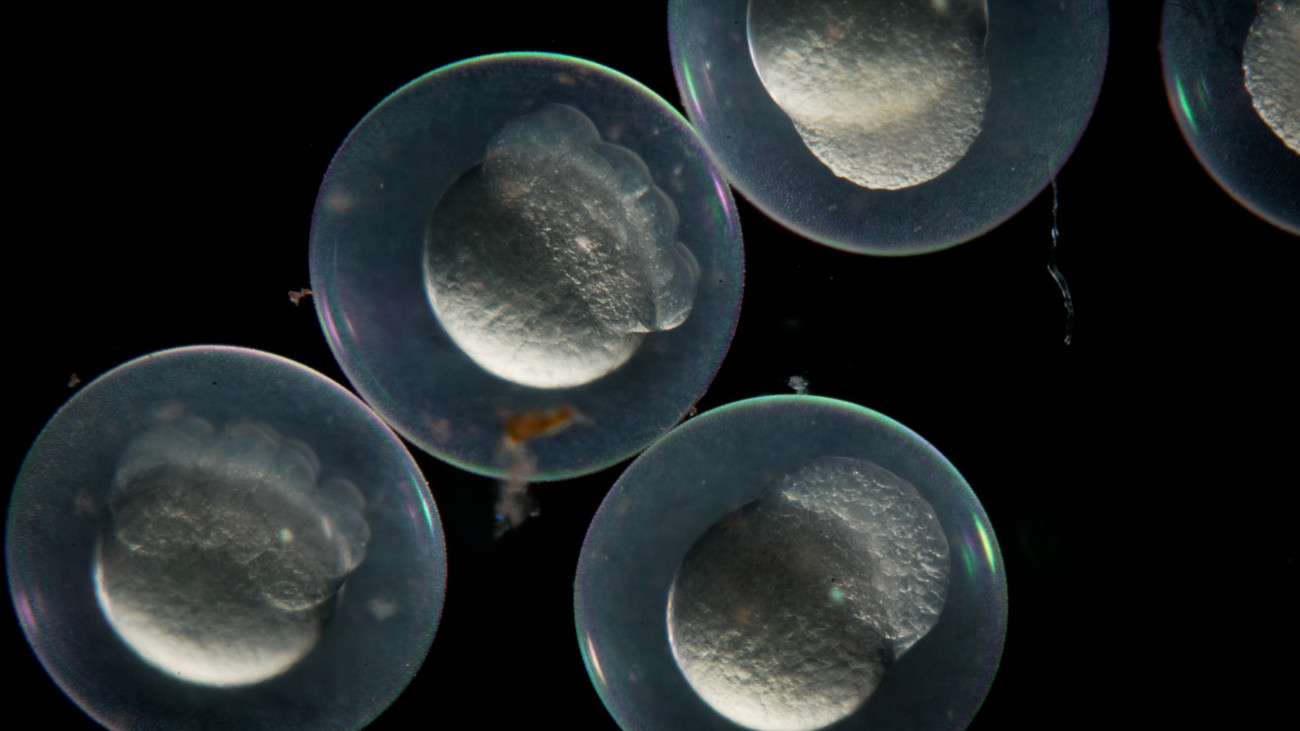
889,126
1232,75
789,563
519,239
217,537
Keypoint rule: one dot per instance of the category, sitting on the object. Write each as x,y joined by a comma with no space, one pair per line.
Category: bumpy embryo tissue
886,93
787,613
1272,64
224,553
551,260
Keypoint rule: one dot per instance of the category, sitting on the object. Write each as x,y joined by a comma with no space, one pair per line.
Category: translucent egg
889,126
1232,73
519,236
788,563
219,537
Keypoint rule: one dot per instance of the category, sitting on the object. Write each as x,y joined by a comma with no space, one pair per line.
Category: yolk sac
224,553
549,262
887,94
1271,61
788,612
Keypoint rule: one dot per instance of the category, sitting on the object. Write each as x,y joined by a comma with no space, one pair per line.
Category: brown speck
528,425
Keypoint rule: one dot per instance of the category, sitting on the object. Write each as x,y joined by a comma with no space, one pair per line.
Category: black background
165,178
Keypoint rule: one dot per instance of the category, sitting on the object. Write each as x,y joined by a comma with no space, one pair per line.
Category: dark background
164,188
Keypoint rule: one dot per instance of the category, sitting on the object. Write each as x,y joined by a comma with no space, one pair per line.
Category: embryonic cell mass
788,612
224,552
1271,60
550,261
886,94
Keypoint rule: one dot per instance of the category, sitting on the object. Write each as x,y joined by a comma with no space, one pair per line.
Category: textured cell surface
224,551
788,612
887,94
214,537
1232,76
891,127
525,234
1272,63
550,261
790,562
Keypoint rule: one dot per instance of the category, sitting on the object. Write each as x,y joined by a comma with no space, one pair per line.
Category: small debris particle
1066,299
381,608
799,384
528,425
515,501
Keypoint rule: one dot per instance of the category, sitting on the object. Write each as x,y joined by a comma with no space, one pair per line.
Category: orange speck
529,425
295,296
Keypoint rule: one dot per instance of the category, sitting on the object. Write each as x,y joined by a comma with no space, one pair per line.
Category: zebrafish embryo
551,260
224,552
789,611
